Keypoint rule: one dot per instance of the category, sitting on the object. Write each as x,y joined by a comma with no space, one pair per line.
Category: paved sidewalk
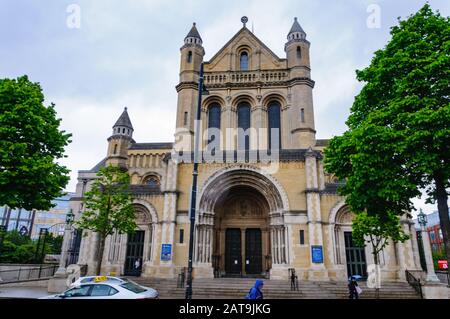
23,292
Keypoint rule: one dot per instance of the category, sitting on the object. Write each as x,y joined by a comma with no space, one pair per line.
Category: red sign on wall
442,264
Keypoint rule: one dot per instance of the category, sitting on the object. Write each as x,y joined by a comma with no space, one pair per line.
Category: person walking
353,288
255,292
137,265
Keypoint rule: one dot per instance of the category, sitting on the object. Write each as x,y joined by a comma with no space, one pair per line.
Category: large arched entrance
240,229
241,243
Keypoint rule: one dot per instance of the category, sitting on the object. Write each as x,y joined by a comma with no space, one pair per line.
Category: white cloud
127,54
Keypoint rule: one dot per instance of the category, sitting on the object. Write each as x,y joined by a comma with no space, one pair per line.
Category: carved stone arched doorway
241,243
139,244
347,252
240,229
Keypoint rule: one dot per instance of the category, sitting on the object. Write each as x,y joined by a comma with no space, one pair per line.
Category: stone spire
296,31
193,36
124,120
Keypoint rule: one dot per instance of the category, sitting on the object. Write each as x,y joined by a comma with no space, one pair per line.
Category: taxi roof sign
100,278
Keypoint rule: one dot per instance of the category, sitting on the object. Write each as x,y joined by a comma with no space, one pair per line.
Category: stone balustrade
240,77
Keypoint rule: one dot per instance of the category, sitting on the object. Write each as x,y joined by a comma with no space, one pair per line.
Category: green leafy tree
17,249
30,144
53,244
398,141
108,207
377,230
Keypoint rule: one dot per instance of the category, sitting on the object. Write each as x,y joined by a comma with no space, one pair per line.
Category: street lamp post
61,272
193,199
431,275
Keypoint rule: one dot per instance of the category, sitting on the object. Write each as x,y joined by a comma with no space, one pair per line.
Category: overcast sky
126,53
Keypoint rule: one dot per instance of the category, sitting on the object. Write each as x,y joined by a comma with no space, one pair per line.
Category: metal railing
24,273
414,282
293,278
444,276
181,278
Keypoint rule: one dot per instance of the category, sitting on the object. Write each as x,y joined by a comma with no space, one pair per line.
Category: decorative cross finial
244,20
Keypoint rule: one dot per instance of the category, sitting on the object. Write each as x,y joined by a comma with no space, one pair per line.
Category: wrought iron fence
414,282
24,273
444,276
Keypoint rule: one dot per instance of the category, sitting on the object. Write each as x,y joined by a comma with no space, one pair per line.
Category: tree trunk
442,198
101,248
376,260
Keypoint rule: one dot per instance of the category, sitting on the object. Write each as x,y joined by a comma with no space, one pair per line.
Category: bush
21,249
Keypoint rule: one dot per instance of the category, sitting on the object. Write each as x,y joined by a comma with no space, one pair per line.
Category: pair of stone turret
295,92
192,53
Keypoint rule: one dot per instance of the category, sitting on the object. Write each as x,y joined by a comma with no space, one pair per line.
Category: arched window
123,130
115,149
273,112
152,181
243,113
302,115
244,61
189,57
299,53
213,123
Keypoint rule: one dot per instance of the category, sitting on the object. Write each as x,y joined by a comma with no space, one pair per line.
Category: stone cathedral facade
259,212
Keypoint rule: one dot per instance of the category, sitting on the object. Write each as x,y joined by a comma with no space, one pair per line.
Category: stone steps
237,288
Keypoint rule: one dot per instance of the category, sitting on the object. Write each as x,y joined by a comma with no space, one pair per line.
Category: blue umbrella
356,277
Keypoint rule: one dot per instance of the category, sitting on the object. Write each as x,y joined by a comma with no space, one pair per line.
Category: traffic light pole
193,199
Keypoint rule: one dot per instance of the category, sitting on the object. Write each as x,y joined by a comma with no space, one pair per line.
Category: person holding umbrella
353,288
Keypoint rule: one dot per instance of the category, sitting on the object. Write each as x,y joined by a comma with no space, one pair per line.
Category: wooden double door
135,249
243,259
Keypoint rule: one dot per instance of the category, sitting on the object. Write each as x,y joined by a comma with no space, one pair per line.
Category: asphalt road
23,292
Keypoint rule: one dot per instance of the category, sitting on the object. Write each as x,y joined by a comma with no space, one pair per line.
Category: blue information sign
317,254
166,252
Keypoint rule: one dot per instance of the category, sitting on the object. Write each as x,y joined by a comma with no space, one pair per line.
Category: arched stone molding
240,98
213,99
149,207
274,96
224,180
206,203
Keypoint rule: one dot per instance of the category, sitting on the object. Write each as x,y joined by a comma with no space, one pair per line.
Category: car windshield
131,286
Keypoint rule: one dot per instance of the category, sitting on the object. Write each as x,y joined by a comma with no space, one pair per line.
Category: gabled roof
99,165
124,120
247,31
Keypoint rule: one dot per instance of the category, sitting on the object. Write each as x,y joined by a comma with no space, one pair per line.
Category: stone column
314,211
258,140
431,275
61,272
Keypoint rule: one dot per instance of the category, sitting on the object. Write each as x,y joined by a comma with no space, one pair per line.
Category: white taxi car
102,287
91,279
